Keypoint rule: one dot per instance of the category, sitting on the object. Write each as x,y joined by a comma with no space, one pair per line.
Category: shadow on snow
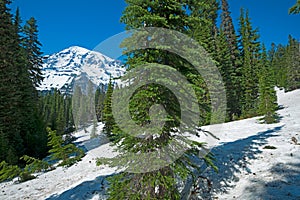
85,190
92,143
232,158
286,183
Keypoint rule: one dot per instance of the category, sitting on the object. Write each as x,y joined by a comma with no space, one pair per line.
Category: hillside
248,169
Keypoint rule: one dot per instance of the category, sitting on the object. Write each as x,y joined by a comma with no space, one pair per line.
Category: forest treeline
22,130
28,117
250,72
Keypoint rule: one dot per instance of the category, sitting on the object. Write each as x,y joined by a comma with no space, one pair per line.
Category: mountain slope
247,169
61,69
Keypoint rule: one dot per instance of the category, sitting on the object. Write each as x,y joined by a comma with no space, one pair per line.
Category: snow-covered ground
80,181
247,170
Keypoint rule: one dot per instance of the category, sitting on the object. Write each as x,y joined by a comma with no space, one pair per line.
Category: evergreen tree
70,127
228,28
202,23
286,64
8,172
32,126
267,93
76,105
249,48
20,125
99,102
60,117
83,102
295,9
108,119
279,65
32,48
209,13
34,165
83,112
18,24
226,69
174,15
11,95
61,151
56,111
203,28
232,70
293,64
94,129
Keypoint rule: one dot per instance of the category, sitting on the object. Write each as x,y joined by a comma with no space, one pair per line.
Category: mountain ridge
60,70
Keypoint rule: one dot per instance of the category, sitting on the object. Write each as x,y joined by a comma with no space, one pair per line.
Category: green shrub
34,165
8,172
68,153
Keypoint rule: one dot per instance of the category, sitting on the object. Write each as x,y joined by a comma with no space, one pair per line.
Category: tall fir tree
227,27
108,119
20,124
32,48
18,24
203,23
11,96
250,52
278,62
202,27
174,15
232,71
226,69
33,127
267,94
293,64
99,102
286,64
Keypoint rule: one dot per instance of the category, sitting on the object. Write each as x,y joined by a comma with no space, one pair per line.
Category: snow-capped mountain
61,69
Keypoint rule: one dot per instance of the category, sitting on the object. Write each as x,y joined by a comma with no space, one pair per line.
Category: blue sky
65,23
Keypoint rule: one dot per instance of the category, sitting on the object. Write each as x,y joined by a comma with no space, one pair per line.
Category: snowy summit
61,69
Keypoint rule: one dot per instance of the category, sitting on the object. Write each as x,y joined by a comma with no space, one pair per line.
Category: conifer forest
38,127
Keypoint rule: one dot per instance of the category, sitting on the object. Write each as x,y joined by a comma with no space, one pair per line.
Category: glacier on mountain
61,69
